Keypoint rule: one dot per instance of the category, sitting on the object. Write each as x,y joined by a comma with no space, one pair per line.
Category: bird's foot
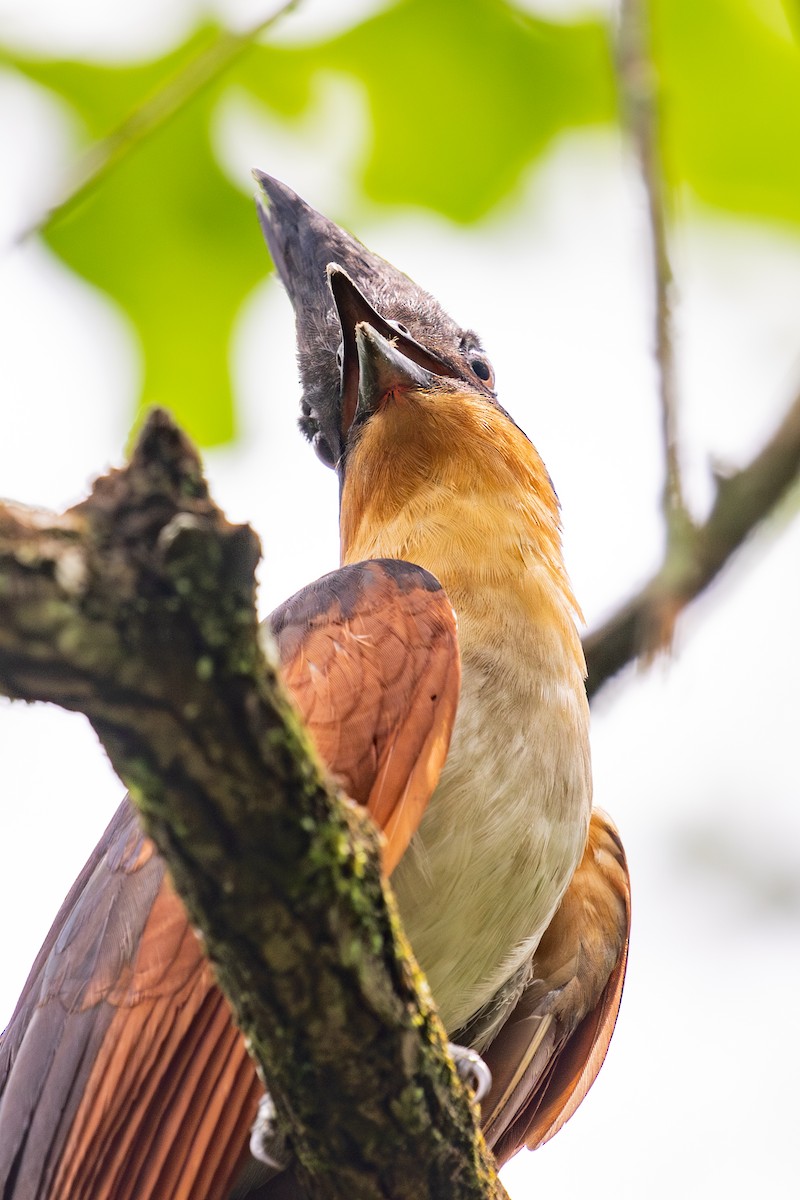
268,1142
472,1070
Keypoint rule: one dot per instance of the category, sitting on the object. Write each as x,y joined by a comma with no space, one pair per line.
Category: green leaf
463,94
166,236
730,100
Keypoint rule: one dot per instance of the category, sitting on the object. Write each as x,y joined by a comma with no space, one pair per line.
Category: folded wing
548,1053
122,1075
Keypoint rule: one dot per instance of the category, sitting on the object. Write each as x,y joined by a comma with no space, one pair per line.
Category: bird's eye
340,355
482,369
400,327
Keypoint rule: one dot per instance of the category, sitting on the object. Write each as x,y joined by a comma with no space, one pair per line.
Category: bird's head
399,400
335,283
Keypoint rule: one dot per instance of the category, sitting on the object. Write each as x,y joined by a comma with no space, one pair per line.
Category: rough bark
137,608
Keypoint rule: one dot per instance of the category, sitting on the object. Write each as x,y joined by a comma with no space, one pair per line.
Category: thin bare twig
693,555
154,112
639,88
742,501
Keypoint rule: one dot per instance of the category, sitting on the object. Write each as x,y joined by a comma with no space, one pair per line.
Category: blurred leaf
730,79
179,251
165,235
464,95
792,10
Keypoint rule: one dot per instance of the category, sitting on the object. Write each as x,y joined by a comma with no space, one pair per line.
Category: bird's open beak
384,369
302,242
354,310
317,260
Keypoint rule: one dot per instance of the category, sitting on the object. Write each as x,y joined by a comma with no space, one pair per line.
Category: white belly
503,833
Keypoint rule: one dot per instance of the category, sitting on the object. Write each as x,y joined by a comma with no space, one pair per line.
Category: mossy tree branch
137,608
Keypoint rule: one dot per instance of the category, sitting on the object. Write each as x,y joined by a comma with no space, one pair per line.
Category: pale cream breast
466,495
503,832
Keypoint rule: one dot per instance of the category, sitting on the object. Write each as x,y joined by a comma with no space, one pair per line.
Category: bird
439,670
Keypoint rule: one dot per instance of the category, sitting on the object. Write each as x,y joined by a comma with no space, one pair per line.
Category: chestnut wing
122,1075
548,1053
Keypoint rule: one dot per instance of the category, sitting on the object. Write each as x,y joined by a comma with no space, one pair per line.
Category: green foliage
166,235
730,98
463,96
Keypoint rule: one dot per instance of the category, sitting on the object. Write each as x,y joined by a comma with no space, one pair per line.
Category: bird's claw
472,1070
268,1142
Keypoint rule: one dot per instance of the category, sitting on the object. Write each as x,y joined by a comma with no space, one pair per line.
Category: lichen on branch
137,607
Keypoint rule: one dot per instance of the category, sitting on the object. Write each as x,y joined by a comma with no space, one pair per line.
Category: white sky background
696,760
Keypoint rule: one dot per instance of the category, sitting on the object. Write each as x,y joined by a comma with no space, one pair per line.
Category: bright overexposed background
695,759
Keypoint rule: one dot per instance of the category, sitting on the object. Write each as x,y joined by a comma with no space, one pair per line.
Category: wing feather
548,1053
370,655
122,1075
